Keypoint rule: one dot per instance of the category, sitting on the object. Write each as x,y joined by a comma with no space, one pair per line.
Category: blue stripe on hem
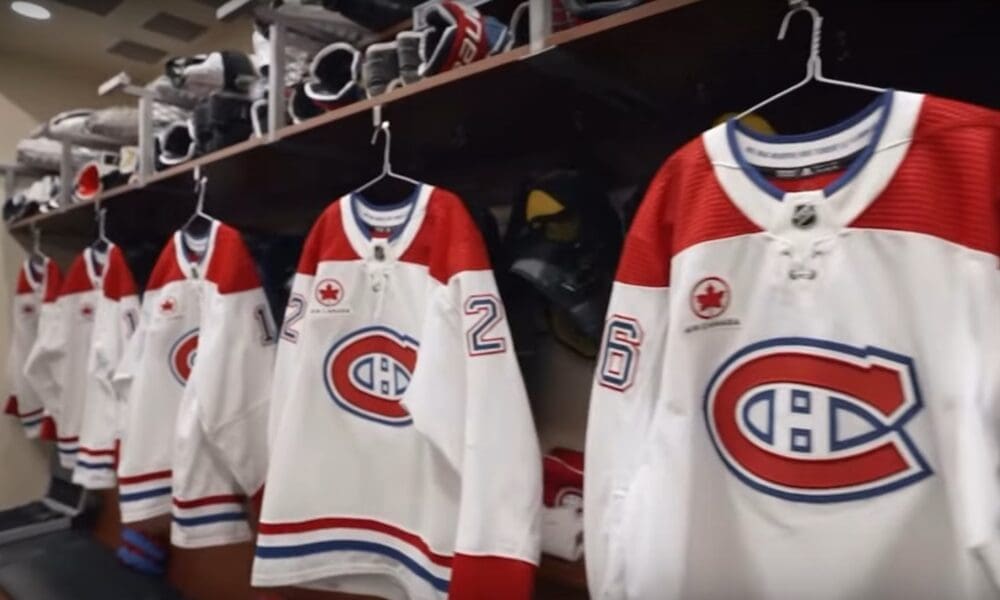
208,519
357,546
87,465
164,491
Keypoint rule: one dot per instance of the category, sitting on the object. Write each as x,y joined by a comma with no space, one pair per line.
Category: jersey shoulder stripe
327,241
166,269
685,205
77,279
118,280
230,266
448,242
920,198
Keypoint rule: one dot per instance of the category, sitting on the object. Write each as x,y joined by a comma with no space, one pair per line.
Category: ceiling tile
136,51
174,26
99,7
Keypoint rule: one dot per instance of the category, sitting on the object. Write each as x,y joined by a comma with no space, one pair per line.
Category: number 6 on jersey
622,338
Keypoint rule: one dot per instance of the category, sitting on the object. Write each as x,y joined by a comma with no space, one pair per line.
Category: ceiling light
31,10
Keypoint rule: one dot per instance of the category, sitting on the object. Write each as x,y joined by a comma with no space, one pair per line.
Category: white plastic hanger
386,164
814,65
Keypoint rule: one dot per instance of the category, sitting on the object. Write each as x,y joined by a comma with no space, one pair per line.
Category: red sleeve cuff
491,578
48,430
11,407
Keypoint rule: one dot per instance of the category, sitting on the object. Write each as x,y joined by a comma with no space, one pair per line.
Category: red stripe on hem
220,499
94,452
74,438
353,523
144,477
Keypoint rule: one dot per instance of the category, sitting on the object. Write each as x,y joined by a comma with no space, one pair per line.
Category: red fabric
257,500
327,241
562,473
684,206
231,268
96,451
48,429
813,182
166,269
53,281
11,407
491,578
207,500
469,41
954,153
448,241
145,477
23,287
72,438
118,281
77,280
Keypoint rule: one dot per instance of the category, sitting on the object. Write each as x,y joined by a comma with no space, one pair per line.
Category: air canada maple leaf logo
710,297
329,292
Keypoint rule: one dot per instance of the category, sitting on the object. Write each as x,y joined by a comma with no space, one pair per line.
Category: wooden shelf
498,114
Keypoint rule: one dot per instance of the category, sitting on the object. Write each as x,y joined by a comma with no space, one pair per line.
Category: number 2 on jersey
477,337
293,314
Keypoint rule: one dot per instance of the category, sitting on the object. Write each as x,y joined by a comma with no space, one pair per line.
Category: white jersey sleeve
220,452
627,388
22,402
44,366
480,417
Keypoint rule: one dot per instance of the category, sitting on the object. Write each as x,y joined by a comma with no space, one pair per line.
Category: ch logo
182,355
816,421
367,373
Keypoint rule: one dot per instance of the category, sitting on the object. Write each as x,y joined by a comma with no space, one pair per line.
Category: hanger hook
36,239
201,186
384,128
814,65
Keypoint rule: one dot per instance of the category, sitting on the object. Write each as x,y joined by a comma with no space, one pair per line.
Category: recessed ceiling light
31,10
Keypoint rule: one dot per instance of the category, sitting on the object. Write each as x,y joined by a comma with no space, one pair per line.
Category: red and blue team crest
816,421
182,355
367,373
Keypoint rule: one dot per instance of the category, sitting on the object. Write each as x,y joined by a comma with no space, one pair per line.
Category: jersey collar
195,269
90,260
891,118
37,285
395,245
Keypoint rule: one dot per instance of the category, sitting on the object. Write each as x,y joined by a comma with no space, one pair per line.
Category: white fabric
704,444
193,441
444,461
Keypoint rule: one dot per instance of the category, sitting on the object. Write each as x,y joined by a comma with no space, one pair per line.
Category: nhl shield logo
810,420
182,355
367,372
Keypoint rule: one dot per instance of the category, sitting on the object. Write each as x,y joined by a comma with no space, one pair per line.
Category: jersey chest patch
367,372
182,355
811,420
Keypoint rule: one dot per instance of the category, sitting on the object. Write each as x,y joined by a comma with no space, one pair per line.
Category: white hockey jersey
404,460
56,368
115,319
197,430
798,391
35,284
